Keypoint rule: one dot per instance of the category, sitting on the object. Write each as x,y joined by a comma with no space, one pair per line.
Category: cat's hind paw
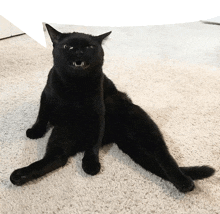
186,186
19,177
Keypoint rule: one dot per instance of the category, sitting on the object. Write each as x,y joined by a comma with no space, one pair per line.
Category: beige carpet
172,71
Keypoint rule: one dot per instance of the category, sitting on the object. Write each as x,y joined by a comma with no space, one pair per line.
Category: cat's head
76,51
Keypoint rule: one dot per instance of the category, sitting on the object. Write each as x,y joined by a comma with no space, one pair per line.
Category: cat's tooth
82,64
74,63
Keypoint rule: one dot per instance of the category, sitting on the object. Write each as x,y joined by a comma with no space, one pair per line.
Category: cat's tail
198,172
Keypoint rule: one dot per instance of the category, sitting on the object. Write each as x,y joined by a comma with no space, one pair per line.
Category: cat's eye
67,47
91,46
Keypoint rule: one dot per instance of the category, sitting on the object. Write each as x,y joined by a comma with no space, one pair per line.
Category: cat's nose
79,52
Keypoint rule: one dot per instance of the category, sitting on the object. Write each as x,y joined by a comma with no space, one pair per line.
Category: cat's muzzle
80,64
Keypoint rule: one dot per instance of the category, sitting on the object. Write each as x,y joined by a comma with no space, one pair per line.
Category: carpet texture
171,71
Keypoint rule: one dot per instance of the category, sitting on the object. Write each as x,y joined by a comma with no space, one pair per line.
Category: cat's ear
101,37
54,34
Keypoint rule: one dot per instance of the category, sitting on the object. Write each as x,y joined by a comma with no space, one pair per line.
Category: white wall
7,29
215,20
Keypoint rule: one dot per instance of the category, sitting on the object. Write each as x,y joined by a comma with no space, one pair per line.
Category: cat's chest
72,107
72,111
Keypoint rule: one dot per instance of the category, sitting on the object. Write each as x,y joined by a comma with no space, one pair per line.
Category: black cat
87,111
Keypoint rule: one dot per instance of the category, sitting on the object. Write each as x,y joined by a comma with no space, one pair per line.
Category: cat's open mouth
81,64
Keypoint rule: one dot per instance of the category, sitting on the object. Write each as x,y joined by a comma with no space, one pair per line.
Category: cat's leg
180,180
140,156
168,170
49,163
140,138
40,127
56,156
93,140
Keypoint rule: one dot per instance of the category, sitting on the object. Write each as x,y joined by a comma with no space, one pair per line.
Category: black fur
87,111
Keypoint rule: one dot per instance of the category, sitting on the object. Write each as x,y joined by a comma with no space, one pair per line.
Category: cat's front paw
36,132
91,165
20,177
